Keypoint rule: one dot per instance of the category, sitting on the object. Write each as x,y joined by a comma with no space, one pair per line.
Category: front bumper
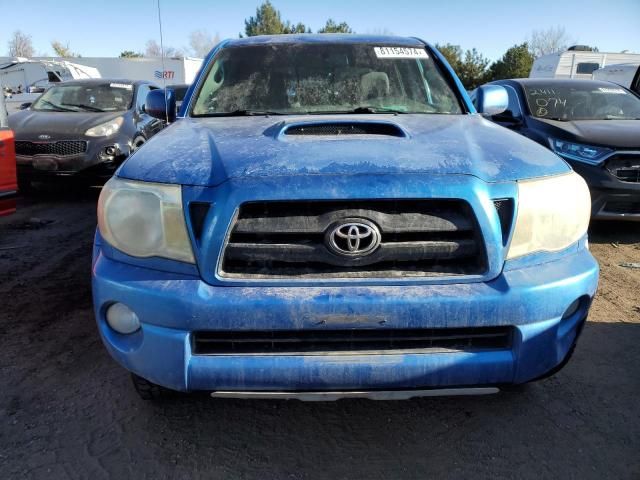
611,198
94,163
533,299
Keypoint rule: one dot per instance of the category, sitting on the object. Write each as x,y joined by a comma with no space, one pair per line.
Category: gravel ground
68,411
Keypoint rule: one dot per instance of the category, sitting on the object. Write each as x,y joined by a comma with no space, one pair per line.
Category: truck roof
326,38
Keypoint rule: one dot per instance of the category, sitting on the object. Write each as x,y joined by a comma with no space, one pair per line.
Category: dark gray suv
82,130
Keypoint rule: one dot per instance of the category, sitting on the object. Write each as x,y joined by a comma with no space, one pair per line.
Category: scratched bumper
170,305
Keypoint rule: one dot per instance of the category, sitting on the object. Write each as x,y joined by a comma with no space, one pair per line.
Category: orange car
8,182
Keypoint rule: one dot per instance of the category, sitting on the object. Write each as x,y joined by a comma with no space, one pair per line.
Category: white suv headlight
553,213
105,129
144,219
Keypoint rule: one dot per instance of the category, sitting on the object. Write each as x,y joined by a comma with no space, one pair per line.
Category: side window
142,96
636,83
587,68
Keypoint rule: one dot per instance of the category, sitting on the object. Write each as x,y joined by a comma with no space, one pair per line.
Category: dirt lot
68,411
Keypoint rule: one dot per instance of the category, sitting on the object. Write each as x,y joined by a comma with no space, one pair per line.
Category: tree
473,69
63,50
20,45
152,49
470,66
333,27
551,40
268,21
202,42
130,54
515,63
453,54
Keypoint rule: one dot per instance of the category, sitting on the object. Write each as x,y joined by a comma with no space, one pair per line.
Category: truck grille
622,207
426,340
625,167
60,148
294,240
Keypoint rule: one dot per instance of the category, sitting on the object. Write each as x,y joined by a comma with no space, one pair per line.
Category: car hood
29,124
209,151
607,133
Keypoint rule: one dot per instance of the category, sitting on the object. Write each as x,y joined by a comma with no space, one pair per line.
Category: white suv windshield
326,78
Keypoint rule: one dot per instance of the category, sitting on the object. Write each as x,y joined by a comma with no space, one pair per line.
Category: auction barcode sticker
400,52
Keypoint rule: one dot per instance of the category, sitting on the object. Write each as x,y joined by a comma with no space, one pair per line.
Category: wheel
148,390
137,143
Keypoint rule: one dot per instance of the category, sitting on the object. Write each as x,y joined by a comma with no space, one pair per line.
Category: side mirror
507,117
24,106
161,104
491,99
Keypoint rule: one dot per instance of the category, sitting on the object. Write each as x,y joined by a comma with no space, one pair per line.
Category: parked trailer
171,70
626,74
21,75
577,63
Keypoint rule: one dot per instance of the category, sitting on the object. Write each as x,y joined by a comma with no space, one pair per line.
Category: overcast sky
105,28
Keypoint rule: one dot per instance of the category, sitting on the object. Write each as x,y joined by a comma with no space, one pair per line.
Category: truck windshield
108,97
582,100
326,78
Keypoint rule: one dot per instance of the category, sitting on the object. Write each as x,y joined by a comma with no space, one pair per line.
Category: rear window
587,68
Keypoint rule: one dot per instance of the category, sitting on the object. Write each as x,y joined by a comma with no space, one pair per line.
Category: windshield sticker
400,52
617,91
121,85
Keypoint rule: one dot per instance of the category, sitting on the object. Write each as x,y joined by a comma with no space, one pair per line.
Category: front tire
147,390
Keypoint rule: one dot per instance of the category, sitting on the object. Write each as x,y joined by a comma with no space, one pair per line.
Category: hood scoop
343,128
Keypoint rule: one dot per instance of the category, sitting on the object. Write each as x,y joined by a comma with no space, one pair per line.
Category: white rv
23,75
25,79
577,62
625,74
152,69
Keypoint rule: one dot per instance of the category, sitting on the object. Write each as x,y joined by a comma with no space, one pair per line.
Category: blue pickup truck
329,216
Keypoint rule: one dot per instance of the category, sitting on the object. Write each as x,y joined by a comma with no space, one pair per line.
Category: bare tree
20,45
551,40
152,49
63,49
202,42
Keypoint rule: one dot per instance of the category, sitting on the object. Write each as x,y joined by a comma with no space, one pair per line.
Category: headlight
144,219
105,129
553,213
576,151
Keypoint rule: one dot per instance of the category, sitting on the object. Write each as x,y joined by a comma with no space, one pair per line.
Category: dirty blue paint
228,161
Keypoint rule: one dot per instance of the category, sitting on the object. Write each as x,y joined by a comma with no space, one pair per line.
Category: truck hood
29,124
209,151
607,133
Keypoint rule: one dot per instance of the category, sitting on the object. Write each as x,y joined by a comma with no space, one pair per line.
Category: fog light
573,308
122,319
110,150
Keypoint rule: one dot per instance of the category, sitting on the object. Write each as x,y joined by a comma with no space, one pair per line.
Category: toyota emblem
353,238
44,137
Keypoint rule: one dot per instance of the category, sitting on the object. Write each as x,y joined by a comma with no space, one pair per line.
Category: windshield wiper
91,108
357,110
57,107
241,113
557,119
